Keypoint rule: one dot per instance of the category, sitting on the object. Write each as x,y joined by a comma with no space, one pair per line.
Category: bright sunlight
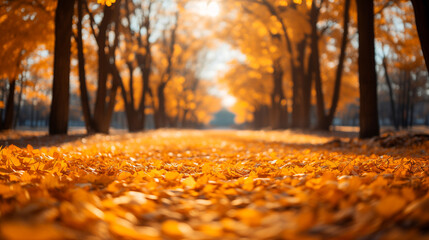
210,8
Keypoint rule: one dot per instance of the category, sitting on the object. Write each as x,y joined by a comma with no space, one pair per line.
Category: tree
325,120
26,28
289,21
421,13
84,98
58,121
160,114
106,91
368,118
139,54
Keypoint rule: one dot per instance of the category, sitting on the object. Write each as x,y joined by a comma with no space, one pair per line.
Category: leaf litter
174,184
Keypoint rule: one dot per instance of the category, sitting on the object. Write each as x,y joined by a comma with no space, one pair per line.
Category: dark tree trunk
162,116
306,88
368,118
421,13
184,120
322,119
84,99
392,100
411,108
32,113
339,73
277,97
146,79
18,109
408,100
301,91
3,93
325,121
100,111
111,61
133,121
10,106
58,122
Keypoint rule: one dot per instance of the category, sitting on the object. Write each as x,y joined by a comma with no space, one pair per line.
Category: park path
215,184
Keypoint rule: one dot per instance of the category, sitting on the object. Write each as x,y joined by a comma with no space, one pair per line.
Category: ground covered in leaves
215,185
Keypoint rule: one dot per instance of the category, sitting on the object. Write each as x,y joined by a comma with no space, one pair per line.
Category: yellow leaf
127,230
190,182
249,216
124,175
390,205
171,176
248,184
212,230
15,161
19,230
4,189
176,229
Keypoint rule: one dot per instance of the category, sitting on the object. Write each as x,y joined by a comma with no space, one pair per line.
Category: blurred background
247,64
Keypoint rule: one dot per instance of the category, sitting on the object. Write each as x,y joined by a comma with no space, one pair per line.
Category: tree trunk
368,118
133,122
392,100
162,116
408,100
421,13
58,122
322,118
10,106
277,96
100,110
18,109
301,99
325,120
339,73
3,93
32,113
84,99
257,119
146,79
184,120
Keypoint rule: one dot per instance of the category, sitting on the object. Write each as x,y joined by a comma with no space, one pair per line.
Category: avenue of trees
321,56
139,57
304,61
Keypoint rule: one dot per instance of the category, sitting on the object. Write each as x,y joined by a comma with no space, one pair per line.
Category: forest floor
214,184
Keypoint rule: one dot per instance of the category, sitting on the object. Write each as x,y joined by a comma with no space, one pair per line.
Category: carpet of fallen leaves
215,185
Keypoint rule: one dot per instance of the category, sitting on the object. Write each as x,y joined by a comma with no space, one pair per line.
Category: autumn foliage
214,185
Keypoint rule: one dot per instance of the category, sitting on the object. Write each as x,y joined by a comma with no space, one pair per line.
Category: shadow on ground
41,140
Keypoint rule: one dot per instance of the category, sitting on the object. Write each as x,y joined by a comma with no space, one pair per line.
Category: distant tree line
309,50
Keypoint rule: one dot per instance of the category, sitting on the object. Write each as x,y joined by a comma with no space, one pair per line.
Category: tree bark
339,73
18,109
277,96
421,13
58,122
100,110
325,120
301,90
368,118
10,106
322,119
162,116
84,99
392,100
